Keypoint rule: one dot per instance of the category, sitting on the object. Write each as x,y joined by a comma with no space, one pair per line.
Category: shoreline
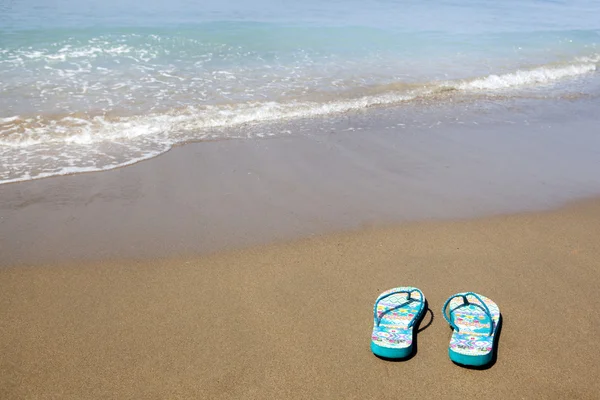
355,172
292,320
312,238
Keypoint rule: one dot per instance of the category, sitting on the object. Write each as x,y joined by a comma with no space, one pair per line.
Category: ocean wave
541,75
18,131
108,141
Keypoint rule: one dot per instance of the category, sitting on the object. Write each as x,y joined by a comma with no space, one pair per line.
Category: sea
94,85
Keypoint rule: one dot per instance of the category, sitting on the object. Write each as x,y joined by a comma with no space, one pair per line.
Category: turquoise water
88,85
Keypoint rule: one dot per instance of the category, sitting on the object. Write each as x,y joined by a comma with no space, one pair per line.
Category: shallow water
89,86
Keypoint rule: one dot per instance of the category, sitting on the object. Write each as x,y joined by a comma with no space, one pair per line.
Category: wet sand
364,170
293,320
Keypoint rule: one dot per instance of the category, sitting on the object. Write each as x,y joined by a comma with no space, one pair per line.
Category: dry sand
293,320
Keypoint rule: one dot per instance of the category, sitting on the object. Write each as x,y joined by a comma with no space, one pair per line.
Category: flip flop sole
394,321
390,352
472,361
472,344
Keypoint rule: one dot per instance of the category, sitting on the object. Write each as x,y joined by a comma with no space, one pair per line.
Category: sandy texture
293,320
207,197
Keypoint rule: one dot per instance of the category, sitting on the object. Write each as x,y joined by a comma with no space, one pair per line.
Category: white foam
9,119
190,122
589,59
71,170
535,76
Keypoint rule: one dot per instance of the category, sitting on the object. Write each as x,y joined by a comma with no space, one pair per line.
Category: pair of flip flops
474,319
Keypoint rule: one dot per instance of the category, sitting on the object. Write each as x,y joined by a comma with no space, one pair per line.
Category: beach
330,175
293,320
204,200
157,281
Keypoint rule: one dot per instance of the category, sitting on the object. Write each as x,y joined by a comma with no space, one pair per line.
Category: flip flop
394,316
474,319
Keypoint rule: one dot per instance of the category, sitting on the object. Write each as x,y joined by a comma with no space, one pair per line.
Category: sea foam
83,142
541,75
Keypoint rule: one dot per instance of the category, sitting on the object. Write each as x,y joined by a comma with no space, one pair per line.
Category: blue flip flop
394,316
474,319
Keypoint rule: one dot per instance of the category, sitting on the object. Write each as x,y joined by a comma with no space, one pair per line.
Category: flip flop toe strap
449,317
409,299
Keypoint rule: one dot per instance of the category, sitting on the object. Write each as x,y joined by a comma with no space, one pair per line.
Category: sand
248,268
293,320
214,196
